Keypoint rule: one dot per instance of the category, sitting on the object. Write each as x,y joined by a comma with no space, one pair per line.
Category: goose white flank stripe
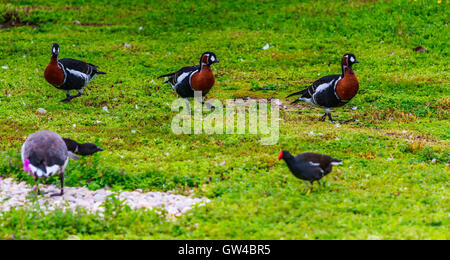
324,86
182,77
86,78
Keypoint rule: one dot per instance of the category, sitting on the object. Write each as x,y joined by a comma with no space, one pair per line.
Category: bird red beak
280,156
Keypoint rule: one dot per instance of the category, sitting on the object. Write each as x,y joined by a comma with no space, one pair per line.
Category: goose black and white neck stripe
45,154
69,74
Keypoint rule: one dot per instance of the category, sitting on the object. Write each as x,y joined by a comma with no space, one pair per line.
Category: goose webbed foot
36,187
323,117
327,114
57,194
331,119
38,191
209,106
69,97
61,179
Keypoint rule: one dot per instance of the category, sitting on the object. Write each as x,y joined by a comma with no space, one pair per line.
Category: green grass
389,186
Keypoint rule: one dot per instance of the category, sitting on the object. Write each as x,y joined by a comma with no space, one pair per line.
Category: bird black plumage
81,149
309,166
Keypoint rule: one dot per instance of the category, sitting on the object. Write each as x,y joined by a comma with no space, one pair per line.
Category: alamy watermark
235,119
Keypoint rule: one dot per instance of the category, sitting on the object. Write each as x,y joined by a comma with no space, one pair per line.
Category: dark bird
81,149
195,78
309,166
45,154
69,74
333,90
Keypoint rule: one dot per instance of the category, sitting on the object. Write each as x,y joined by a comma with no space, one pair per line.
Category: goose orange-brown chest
348,86
204,80
54,74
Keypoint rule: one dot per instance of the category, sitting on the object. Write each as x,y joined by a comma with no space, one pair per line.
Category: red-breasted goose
69,74
196,78
333,90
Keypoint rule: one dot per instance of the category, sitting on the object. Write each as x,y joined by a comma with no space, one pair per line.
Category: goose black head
349,59
88,149
55,50
81,149
208,58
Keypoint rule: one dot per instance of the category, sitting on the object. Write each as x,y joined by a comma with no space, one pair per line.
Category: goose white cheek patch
352,59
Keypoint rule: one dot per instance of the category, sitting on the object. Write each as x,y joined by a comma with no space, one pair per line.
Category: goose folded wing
78,66
183,73
323,83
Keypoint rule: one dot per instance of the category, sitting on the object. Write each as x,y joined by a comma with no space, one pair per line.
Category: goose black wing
309,91
78,73
179,76
324,82
180,81
77,65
